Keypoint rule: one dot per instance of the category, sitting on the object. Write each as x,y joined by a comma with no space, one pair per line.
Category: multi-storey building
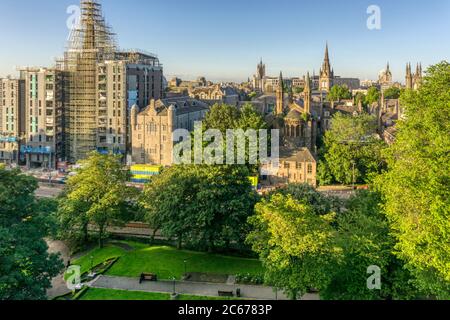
134,78
12,108
44,117
152,128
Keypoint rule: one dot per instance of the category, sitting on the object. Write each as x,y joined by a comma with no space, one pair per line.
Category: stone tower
326,73
409,77
307,94
260,76
280,96
417,80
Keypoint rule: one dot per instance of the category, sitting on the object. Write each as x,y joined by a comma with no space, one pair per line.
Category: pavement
191,288
59,286
47,191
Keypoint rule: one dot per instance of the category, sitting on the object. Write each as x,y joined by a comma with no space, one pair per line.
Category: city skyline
208,35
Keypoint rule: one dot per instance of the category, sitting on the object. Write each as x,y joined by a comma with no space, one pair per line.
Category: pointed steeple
280,96
326,74
307,82
307,94
280,81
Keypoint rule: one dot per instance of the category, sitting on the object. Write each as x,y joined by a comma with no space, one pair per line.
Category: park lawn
118,295
168,263
99,256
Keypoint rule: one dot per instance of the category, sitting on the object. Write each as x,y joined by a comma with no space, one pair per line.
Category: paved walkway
59,286
190,288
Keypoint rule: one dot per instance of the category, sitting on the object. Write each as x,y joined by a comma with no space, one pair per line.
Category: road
47,191
191,288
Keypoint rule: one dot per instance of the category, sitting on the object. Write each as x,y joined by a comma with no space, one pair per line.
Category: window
287,165
310,168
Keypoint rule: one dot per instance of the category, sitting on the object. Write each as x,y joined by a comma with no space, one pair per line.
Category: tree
26,268
298,90
204,207
373,95
392,93
96,195
364,236
304,243
225,117
306,194
416,186
294,244
222,117
337,93
360,97
353,150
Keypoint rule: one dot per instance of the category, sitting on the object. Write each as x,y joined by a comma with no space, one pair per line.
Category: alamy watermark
238,147
73,279
374,281
374,19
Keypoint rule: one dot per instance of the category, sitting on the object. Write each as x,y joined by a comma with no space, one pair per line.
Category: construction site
91,42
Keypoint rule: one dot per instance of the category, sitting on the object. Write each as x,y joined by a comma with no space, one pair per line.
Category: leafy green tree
392,93
294,244
304,244
298,90
97,195
26,268
360,97
416,186
204,207
373,95
252,95
306,194
337,93
364,236
353,150
225,117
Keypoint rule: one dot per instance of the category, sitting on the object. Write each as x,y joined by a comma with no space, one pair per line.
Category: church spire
280,96
307,94
326,74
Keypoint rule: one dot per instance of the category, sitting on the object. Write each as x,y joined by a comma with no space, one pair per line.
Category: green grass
110,294
99,256
168,262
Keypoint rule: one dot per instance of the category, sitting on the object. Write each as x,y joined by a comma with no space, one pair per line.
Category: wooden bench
226,294
148,277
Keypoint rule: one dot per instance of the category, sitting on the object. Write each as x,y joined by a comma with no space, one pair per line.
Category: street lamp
92,263
174,288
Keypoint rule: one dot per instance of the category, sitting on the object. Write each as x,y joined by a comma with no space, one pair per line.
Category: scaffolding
91,42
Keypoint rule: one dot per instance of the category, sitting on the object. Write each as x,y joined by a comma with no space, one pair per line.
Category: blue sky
224,40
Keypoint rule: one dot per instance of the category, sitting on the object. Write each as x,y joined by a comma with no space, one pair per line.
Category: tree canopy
416,186
352,150
338,93
373,95
96,195
392,93
305,245
26,268
204,207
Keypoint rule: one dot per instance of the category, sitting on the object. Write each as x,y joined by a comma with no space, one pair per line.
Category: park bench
226,294
148,277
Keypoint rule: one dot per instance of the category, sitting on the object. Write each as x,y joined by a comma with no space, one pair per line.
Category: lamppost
92,263
185,267
174,288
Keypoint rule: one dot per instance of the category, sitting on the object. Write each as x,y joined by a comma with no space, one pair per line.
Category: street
47,191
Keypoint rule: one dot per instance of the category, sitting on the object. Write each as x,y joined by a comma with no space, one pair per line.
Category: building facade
44,117
133,79
152,128
12,109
